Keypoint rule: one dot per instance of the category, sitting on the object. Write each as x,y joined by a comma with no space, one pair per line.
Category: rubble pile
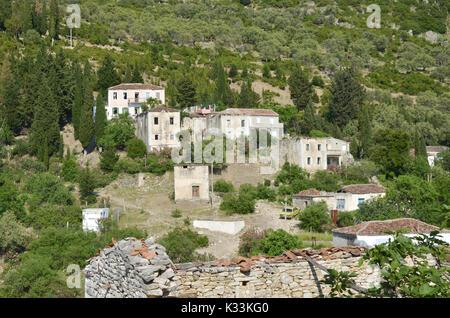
130,268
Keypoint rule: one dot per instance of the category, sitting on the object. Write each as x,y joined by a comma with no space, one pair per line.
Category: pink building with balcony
128,98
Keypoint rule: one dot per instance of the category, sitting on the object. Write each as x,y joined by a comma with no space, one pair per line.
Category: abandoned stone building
348,198
236,122
313,153
158,128
191,182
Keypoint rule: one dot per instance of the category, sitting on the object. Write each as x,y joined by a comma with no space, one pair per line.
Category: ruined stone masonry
134,268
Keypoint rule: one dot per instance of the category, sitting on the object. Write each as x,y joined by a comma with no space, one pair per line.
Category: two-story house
128,98
158,128
314,153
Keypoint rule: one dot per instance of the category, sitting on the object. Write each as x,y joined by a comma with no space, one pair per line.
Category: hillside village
217,167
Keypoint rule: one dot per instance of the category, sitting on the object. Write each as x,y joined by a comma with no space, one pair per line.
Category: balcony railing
136,101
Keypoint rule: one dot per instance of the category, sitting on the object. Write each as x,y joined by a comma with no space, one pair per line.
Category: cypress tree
309,119
186,92
43,26
301,88
87,129
107,75
45,127
266,71
223,93
54,20
365,131
247,97
11,105
347,96
61,147
27,16
108,159
128,74
420,149
63,86
100,117
78,99
137,76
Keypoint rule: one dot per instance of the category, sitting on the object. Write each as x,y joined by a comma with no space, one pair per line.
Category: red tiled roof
436,148
296,255
248,112
380,227
362,188
164,109
126,86
308,193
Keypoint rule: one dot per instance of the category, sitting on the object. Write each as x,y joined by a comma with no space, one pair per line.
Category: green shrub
181,244
269,243
128,165
239,204
13,235
49,215
315,217
136,148
176,213
345,219
223,186
45,187
267,182
70,170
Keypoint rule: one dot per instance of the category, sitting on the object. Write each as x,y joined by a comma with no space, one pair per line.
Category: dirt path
149,207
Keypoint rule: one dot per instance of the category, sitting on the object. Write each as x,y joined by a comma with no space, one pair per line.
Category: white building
348,198
372,233
314,153
432,153
158,128
236,122
128,98
91,218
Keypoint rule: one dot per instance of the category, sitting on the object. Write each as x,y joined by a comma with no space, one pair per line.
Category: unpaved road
149,207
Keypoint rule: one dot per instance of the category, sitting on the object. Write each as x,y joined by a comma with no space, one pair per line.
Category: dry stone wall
140,268
130,268
268,280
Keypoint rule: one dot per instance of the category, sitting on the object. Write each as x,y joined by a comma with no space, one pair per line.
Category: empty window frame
155,120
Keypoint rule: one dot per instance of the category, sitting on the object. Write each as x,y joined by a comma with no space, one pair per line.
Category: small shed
373,233
91,218
191,182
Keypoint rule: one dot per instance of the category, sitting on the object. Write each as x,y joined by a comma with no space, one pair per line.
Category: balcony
136,101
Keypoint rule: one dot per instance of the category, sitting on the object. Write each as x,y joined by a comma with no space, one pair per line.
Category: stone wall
130,268
134,268
296,279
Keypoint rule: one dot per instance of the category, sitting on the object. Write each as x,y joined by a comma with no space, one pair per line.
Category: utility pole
212,184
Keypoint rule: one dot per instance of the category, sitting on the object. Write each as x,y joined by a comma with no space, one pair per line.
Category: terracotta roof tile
126,86
379,227
248,112
362,188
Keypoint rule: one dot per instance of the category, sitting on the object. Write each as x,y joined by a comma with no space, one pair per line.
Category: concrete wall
187,176
218,226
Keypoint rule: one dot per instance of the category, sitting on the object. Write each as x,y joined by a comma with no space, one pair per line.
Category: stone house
314,153
191,182
128,98
306,197
372,233
236,122
348,198
158,128
196,123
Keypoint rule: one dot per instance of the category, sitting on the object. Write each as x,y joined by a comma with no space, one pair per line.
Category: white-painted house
128,98
373,233
91,218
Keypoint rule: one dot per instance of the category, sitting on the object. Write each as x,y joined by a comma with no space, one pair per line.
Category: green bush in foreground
315,217
181,244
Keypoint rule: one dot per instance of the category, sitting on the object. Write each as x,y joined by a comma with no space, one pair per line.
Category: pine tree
107,75
186,92
78,99
100,117
87,129
45,135
347,96
137,76
301,88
